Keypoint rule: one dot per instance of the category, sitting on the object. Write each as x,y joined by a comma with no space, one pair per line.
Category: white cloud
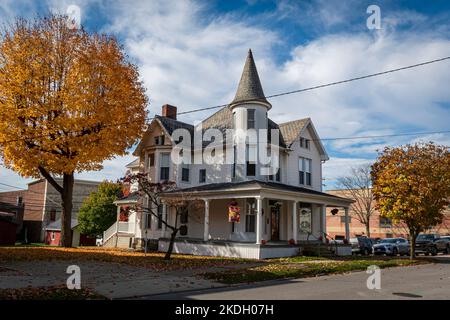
191,58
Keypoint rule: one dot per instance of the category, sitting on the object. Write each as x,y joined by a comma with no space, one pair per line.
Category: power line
289,93
330,84
385,135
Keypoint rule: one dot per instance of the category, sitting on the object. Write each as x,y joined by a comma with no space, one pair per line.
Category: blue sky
191,54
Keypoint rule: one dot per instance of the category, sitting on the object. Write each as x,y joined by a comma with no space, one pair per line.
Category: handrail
111,231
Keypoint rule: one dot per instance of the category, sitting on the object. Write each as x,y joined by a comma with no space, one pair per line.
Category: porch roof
265,189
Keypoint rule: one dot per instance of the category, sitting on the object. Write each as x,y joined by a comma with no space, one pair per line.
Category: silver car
392,247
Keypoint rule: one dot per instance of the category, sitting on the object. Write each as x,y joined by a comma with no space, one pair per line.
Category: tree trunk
66,216
412,241
368,229
172,241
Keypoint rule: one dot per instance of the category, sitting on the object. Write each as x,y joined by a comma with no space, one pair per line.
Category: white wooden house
278,213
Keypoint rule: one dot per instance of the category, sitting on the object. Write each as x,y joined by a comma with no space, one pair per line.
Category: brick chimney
169,111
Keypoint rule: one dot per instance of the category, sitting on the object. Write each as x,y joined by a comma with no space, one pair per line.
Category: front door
275,220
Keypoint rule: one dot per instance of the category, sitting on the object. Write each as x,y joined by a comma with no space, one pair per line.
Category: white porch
270,221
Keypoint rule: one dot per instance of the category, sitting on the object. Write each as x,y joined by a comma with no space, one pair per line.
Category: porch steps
318,249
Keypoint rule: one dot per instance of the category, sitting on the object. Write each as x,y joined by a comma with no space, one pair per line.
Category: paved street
430,281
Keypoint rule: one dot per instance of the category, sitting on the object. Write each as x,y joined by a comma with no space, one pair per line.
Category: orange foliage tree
411,185
69,100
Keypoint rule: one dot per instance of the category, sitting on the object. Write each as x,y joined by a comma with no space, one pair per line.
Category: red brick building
379,227
42,205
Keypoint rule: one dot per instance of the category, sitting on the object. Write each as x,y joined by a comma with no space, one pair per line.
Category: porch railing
126,227
110,232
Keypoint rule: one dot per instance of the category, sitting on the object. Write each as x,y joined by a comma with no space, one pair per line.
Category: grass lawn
301,267
153,260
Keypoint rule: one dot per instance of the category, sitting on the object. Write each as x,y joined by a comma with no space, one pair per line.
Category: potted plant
291,242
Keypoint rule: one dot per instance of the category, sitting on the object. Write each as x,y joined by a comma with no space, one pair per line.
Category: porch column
117,225
347,226
206,224
323,219
294,221
258,220
164,227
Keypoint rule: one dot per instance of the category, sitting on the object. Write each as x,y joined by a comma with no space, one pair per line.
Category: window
19,200
151,160
308,171
234,162
305,143
250,118
159,140
250,216
301,171
52,235
185,174
385,222
148,221
164,167
52,214
304,171
160,215
234,120
251,160
276,177
202,176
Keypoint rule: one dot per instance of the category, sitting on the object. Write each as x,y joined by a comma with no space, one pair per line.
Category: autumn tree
98,211
69,100
358,186
411,185
152,195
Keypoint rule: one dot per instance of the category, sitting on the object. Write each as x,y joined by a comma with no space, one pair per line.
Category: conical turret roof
250,88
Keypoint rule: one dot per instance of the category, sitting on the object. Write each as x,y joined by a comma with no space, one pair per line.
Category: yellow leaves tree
68,101
411,185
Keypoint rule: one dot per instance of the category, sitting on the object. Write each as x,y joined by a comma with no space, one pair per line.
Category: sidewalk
112,280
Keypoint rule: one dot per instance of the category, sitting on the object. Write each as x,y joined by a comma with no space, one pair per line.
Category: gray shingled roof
290,130
171,125
223,120
249,88
265,184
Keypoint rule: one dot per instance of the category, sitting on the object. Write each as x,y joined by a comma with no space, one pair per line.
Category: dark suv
431,244
361,245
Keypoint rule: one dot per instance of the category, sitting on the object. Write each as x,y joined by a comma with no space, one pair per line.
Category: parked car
430,244
361,245
446,240
392,247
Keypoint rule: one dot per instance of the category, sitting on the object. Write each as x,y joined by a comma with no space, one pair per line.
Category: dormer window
250,118
159,140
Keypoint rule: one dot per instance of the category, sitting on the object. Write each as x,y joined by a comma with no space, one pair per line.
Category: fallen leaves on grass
288,268
153,260
48,293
